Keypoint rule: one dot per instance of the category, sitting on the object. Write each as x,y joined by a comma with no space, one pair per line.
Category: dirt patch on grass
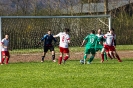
36,57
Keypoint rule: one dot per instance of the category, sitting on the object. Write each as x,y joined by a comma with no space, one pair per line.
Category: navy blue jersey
48,40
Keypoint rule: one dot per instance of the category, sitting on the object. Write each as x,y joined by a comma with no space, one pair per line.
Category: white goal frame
85,16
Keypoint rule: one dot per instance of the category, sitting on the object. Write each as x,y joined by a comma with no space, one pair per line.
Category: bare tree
16,2
90,1
1,8
34,7
106,6
5,8
22,6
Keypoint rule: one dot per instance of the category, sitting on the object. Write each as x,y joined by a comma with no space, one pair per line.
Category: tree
90,1
106,6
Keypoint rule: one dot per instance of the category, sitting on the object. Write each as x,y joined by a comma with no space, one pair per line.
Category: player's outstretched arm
54,39
54,36
58,35
38,43
83,43
42,39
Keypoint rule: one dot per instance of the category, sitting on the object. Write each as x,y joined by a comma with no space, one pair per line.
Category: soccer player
110,44
4,51
107,50
90,47
100,44
64,40
48,38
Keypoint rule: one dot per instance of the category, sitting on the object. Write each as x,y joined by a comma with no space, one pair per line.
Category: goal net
26,31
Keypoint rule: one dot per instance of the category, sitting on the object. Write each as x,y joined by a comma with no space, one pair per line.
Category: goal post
28,26
109,22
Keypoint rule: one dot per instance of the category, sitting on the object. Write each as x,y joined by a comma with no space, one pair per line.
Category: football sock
7,59
105,56
66,57
102,55
85,56
53,57
60,60
118,57
113,54
2,60
109,56
43,58
91,58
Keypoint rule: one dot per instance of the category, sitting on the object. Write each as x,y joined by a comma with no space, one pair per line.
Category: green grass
111,74
72,49
124,47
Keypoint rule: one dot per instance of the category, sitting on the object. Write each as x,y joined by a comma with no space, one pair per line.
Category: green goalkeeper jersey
92,40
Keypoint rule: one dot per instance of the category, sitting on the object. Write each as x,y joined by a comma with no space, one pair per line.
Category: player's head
6,36
108,32
92,31
99,31
49,31
67,30
111,30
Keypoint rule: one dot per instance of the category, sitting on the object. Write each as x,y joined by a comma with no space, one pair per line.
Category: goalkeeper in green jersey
90,47
100,45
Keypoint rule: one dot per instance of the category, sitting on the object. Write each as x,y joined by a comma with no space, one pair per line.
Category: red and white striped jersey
64,39
109,39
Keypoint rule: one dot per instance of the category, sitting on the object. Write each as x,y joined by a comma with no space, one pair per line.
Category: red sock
60,60
118,57
66,57
113,54
102,55
109,56
7,60
2,60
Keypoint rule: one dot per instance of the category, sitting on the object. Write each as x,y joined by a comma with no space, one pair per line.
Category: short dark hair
49,30
112,29
108,31
67,30
6,34
92,31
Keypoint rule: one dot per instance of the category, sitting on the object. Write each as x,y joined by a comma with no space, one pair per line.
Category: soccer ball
82,61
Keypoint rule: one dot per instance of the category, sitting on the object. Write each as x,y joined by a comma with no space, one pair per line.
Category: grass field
110,74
